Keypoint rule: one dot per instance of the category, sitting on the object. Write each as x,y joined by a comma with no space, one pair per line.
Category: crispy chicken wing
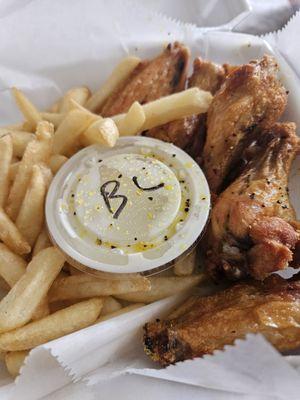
189,133
150,80
253,229
204,324
250,98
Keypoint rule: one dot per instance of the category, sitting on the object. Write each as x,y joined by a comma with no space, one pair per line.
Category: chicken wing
189,133
150,80
253,229
250,98
205,324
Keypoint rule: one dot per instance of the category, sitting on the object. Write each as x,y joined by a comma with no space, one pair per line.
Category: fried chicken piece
252,228
250,98
205,324
189,133
150,80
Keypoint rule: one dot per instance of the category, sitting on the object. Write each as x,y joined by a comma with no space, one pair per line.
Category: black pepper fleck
112,247
120,176
150,198
186,209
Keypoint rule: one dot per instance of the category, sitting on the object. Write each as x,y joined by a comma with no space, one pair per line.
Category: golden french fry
110,305
78,94
133,120
13,169
19,305
186,265
46,173
31,216
42,310
56,161
42,242
11,236
83,286
6,153
37,151
20,140
162,287
12,266
103,131
119,312
118,75
176,106
62,322
29,111
73,270
53,117
72,126
14,361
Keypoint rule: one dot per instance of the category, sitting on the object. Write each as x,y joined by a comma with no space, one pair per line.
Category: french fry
62,322
19,305
31,216
42,310
123,310
84,286
176,106
133,120
69,130
57,161
42,242
6,152
46,173
54,118
4,287
187,265
103,131
79,94
162,287
11,236
110,305
13,169
29,111
14,361
12,266
38,150
20,140
119,74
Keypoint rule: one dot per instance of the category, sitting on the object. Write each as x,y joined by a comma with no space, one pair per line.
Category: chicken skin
253,229
150,80
251,98
189,133
205,324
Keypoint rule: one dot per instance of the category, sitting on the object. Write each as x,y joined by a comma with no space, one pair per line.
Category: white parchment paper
47,47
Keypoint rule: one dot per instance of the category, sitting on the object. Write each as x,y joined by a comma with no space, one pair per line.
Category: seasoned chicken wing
205,324
189,133
250,98
253,229
150,80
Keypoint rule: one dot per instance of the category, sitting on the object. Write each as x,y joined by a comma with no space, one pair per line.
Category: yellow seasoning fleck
169,187
150,215
188,165
138,192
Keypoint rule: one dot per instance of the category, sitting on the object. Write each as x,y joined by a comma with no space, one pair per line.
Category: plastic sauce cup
134,208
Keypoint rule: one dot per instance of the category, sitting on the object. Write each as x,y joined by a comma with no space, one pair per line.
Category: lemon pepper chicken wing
189,133
271,308
253,229
150,80
251,98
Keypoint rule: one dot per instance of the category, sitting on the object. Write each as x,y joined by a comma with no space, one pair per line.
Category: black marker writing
112,195
160,185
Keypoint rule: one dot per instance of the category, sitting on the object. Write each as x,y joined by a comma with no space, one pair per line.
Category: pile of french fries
45,297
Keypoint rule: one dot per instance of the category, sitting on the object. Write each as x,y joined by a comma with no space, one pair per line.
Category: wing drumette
253,229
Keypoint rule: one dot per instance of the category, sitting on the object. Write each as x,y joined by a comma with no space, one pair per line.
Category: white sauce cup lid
132,208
